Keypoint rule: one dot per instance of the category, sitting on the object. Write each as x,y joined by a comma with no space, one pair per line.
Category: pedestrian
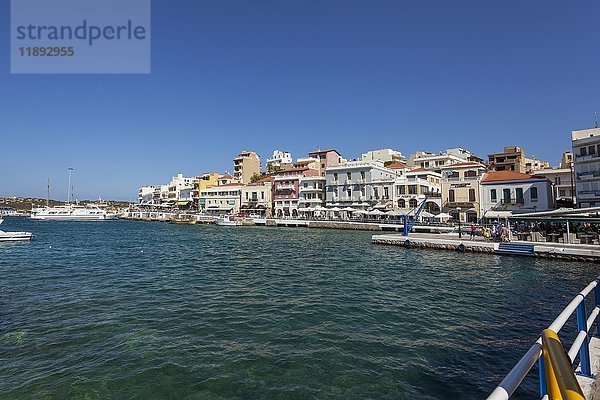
473,231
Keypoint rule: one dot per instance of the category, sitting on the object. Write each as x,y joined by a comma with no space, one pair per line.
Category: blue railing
580,346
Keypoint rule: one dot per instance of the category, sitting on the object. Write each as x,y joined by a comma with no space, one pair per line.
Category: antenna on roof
596,118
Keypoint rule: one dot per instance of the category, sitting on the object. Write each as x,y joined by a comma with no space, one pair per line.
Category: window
335,177
506,195
470,174
471,194
412,203
349,191
451,197
376,192
363,191
349,175
592,150
412,189
519,193
562,193
454,175
534,193
402,189
401,203
362,174
583,151
386,193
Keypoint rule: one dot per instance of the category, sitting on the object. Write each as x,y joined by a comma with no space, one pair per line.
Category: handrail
560,377
513,379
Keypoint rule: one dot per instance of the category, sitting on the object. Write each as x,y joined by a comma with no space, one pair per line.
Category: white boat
226,220
14,236
72,212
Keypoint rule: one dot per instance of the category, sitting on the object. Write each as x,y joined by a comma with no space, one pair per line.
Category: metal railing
580,346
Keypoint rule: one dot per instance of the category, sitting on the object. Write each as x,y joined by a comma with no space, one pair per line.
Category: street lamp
459,232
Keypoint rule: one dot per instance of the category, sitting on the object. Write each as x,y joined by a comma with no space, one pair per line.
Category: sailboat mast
48,194
69,188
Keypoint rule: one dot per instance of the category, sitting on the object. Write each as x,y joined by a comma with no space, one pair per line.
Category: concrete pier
572,252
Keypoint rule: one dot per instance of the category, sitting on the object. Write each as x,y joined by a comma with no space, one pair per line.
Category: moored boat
14,236
226,220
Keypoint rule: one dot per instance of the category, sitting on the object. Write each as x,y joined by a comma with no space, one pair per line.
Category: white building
256,198
505,193
436,162
360,185
414,186
311,193
460,190
146,194
562,184
278,160
383,155
586,150
220,200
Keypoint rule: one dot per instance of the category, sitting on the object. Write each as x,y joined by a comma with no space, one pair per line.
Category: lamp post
459,232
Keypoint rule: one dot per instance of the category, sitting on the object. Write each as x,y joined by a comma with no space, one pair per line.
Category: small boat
226,220
14,236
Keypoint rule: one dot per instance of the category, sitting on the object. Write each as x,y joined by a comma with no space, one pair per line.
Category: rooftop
502,176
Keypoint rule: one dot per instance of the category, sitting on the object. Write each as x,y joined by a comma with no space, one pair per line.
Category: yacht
72,212
226,220
14,236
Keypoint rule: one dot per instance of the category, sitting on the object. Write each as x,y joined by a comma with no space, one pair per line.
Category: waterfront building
204,181
460,191
505,193
286,190
222,200
181,190
586,150
562,185
513,159
415,186
360,185
327,158
225,179
311,193
148,194
435,162
279,160
383,155
257,198
245,166
308,162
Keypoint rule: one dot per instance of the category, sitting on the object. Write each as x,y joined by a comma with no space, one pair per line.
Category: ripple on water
141,310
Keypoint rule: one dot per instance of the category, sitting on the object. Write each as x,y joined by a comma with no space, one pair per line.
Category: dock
451,242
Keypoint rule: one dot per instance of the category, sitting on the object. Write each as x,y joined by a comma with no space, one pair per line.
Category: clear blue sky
294,75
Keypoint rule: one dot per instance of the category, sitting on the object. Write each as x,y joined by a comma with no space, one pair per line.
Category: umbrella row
424,214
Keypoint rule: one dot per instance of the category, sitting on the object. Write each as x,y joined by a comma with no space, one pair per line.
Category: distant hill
26,203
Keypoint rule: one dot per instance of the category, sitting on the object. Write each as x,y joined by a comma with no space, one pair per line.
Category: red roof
397,165
283,171
226,177
498,176
231,184
419,170
323,151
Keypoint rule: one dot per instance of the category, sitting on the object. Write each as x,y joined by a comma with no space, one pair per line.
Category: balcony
582,176
589,193
284,186
512,201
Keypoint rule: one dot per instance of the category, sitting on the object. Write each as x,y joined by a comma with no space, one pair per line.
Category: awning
183,202
497,214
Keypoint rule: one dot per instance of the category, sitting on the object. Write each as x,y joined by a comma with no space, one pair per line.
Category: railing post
584,351
597,298
542,375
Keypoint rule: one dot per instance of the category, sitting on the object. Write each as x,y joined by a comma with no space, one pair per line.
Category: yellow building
245,166
204,182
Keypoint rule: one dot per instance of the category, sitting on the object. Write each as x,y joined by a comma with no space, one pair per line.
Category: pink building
327,158
286,188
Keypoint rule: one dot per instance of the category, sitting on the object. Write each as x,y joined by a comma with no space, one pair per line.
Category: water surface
134,310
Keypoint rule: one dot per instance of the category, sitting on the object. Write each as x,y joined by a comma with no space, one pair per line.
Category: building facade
506,193
360,185
279,160
586,150
460,191
245,166
222,200
286,191
383,155
327,159
562,185
311,193
257,198
436,161
416,186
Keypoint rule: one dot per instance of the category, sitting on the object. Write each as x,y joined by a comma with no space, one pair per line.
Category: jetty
452,242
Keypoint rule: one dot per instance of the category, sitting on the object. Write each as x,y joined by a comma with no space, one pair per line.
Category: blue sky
294,75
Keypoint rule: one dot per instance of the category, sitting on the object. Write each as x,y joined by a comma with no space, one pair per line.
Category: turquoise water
134,310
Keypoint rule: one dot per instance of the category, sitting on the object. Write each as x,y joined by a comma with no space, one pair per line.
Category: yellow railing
560,378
